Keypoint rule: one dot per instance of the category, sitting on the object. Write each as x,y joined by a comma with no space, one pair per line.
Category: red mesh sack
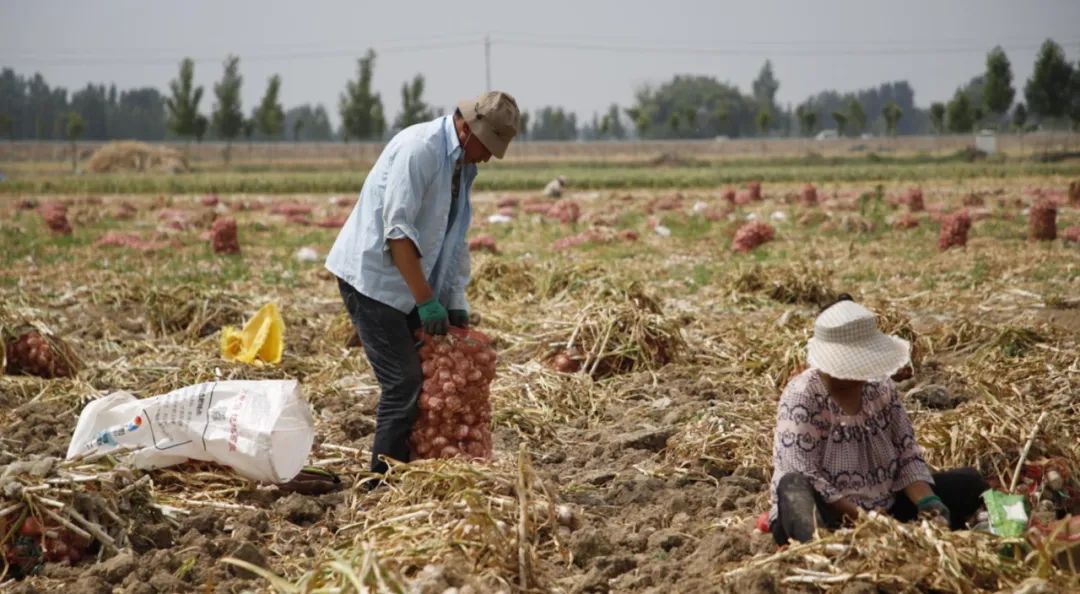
1074,193
751,235
915,200
754,188
223,236
905,221
483,243
1071,234
729,195
55,215
565,211
454,416
808,196
1042,221
954,230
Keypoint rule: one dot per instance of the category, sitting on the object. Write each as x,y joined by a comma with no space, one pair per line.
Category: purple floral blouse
866,457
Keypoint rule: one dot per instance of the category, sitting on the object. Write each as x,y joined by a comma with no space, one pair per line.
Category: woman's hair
839,298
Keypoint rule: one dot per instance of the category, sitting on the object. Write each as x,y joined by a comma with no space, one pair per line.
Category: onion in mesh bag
454,407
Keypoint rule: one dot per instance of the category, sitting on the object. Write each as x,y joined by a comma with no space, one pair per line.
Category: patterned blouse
866,457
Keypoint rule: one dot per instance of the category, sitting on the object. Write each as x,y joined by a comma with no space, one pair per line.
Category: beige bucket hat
493,117
847,344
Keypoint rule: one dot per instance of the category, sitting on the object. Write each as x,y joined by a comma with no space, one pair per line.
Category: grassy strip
512,177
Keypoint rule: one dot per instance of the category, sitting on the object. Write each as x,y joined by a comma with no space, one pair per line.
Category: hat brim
482,130
870,360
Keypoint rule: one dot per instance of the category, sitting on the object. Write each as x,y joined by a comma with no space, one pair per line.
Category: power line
735,51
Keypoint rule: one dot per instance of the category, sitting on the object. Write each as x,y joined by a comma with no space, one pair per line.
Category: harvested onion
455,411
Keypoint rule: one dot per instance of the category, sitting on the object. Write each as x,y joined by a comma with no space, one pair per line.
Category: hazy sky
579,54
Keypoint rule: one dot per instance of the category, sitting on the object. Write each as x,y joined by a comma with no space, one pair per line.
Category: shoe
313,480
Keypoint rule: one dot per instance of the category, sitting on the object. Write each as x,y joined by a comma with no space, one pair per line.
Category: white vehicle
826,135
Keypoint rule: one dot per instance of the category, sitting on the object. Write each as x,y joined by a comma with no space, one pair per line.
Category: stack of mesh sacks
454,416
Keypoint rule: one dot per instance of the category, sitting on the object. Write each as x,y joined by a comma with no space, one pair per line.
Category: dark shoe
313,480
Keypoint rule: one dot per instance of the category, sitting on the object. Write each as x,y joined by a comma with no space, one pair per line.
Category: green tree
614,127
1047,90
270,117
183,105
856,117
297,127
998,91
413,108
228,117
807,117
765,87
764,121
201,126
362,110
960,115
523,126
675,122
248,129
1073,108
841,122
1019,117
891,114
74,131
937,116
7,126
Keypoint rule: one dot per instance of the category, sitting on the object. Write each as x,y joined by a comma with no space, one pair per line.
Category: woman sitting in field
843,441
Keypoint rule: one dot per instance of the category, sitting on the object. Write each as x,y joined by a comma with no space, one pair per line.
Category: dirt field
642,472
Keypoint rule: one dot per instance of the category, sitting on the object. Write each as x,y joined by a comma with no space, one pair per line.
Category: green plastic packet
1008,513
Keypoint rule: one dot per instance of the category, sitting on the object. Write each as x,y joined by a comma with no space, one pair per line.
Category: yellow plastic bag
261,341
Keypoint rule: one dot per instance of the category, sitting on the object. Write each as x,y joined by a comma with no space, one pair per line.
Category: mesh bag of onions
1042,221
751,235
954,230
454,417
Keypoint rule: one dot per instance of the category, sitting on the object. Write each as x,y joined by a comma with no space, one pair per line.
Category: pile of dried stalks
132,156
493,524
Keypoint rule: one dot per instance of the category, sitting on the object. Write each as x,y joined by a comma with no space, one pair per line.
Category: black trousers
391,349
801,509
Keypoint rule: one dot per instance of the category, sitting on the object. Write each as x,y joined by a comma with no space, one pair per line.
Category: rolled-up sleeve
410,173
911,465
799,444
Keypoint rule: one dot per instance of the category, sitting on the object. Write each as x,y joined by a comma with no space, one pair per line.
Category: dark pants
801,509
387,335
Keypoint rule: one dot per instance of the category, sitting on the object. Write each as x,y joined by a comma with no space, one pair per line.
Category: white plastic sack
262,429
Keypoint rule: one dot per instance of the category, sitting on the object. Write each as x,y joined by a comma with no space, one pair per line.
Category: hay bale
132,156
1042,221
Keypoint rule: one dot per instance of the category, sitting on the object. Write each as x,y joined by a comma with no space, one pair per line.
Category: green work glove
459,318
433,317
933,506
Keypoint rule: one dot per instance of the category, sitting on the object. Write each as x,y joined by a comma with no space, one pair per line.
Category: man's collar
452,143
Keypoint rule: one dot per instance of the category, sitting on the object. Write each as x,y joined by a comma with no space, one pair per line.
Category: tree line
683,107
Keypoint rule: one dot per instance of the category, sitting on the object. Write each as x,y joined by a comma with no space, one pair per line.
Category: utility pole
487,60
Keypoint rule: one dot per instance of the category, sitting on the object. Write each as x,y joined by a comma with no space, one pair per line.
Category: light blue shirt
407,196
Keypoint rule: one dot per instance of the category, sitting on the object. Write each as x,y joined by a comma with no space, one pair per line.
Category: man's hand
433,317
459,318
932,506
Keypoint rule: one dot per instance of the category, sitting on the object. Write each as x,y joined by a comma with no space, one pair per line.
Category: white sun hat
847,344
